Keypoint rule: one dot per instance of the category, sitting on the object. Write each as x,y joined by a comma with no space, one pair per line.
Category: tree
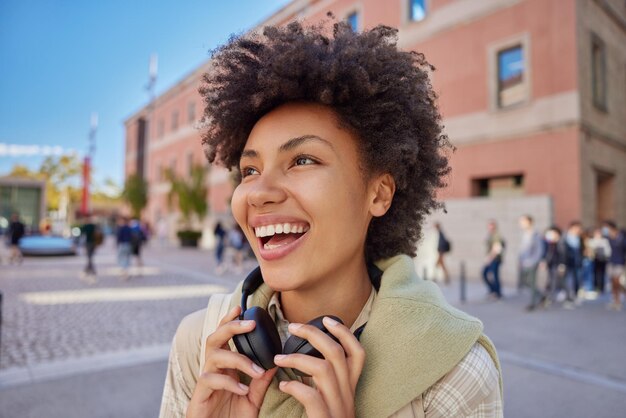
136,194
190,195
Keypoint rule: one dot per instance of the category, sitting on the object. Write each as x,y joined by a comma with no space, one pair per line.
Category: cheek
238,206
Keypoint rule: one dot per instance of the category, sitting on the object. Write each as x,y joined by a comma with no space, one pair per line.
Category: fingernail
329,321
246,323
282,385
294,326
242,387
258,369
279,357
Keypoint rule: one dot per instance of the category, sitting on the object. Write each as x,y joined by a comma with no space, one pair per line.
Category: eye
304,160
248,171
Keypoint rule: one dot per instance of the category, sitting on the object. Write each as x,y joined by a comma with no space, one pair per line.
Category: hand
335,376
218,392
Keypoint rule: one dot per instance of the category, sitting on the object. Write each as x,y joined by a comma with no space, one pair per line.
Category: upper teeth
286,228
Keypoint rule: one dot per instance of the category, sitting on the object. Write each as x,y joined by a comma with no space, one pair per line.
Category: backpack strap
216,310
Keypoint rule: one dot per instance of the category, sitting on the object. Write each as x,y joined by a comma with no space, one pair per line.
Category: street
74,349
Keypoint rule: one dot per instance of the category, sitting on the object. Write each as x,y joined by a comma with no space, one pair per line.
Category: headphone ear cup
295,344
262,343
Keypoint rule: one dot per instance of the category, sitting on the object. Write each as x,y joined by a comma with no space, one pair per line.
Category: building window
160,128
353,20
189,163
417,10
191,112
598,72
173,166
174,120
504,186
511,76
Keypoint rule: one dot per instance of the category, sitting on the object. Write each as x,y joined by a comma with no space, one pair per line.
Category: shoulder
189,331
472,386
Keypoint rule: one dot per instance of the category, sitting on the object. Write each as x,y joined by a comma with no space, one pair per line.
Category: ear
383,188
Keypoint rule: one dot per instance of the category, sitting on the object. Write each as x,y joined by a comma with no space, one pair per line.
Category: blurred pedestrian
92,237
616,269
531,251
491,269
162,232
443,247
554,262
124,239
574,250
220,238
235,240
600,247
138,238
587,285
15,232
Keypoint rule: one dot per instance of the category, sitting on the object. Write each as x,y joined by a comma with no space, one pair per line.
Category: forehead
293,120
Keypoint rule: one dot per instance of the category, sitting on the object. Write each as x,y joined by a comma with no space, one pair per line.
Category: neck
343,294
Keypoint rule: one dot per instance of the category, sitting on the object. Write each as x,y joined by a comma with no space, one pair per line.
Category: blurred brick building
533,95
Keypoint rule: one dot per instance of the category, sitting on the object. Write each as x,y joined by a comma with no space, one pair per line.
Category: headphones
262,343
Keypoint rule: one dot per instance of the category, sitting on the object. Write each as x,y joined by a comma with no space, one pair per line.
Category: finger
308,397
225,332
352,347
323,375
259,386
218,359
331,350
232,314
211,382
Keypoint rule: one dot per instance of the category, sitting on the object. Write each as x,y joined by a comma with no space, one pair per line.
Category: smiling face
303,202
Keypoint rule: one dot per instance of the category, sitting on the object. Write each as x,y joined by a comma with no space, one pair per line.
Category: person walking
443,247
495,250
220,237
531,251
554,262
615,267
138,237
92,237
15,233
600,248
235,240
124,239
162,232
574,250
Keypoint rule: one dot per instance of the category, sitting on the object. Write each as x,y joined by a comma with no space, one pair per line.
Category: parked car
47,245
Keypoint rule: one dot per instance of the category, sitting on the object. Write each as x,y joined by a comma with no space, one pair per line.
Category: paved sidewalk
556,362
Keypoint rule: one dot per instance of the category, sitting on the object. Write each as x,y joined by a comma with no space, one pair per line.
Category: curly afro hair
381,94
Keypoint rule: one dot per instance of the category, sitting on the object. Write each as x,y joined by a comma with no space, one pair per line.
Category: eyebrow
289,145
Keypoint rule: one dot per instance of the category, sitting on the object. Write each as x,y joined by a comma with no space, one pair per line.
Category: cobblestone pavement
555,362
50,314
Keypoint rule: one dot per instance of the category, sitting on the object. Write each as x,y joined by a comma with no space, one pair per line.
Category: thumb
259,386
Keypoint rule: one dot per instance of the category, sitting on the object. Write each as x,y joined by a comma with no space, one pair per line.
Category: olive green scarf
412,339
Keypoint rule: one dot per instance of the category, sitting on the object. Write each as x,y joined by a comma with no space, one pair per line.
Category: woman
338,141
600,249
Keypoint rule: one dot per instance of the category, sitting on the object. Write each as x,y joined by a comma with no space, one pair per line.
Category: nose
266,190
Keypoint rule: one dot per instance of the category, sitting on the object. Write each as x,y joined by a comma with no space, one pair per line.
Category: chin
283,278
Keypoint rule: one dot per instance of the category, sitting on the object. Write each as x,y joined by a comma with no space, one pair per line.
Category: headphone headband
250,285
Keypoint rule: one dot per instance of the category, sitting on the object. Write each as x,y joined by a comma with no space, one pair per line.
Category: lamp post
85,204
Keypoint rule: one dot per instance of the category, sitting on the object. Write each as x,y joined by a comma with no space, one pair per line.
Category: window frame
599,102
191,112
493,76
175,116
357,13
408,6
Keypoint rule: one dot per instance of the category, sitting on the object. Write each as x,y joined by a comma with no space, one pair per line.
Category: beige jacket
470,390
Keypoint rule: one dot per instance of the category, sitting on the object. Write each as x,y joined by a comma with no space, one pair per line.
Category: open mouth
280,235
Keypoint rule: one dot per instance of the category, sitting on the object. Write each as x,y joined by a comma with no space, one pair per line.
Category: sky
62,60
